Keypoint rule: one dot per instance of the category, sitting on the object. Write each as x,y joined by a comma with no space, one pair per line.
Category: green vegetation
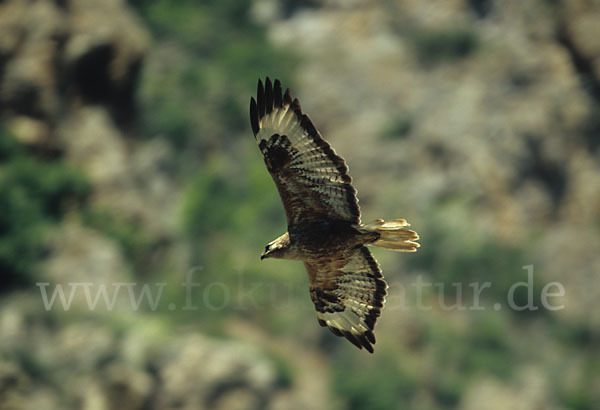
198,99
376,383
399,128
444,44
402,376
34,194
222,199
284,370
134,243
457,252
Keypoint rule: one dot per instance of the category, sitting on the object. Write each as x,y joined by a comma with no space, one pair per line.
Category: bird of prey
323,218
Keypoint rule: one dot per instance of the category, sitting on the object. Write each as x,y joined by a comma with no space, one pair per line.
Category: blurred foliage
132,239
591,130
375,383
199,99
222,198
398,128
285,371
580,395
34,194
458,253
434,46
434,370
482,8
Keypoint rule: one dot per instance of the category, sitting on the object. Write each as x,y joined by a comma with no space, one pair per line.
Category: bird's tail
392,235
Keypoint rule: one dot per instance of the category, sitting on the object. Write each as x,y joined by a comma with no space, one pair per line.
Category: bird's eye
267,248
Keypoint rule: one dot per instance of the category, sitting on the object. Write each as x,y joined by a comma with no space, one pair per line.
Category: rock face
57,55
69,72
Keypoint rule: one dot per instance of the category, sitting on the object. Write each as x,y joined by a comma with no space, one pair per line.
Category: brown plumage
324,229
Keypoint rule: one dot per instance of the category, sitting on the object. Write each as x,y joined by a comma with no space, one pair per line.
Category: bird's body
327,235
324,228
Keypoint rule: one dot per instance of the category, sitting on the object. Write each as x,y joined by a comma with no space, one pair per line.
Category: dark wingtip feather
335,331
277,94
287,97
352,339
254,116
366,340
268,96
260,99
370,336
297,108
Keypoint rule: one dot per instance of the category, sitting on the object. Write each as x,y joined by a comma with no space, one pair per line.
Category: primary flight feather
323,217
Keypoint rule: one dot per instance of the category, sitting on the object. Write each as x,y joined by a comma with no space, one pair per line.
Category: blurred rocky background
127,164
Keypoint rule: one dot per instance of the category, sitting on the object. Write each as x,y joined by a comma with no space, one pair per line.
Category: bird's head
276,248
270,251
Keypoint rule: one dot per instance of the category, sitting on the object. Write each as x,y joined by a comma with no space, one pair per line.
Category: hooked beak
264,255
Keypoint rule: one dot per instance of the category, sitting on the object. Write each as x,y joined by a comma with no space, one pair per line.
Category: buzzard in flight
323,218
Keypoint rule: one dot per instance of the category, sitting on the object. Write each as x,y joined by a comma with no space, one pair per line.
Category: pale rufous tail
392,235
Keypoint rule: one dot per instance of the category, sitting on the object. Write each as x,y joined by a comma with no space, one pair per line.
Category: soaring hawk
323,218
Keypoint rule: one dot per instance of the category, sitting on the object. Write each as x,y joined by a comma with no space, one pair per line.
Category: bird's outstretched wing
348,293
312,180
